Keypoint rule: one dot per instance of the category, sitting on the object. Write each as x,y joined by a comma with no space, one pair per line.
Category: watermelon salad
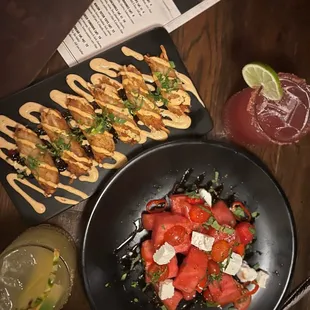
197,248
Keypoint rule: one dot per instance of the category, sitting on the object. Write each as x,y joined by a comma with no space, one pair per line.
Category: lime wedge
257,74
53,298
36,303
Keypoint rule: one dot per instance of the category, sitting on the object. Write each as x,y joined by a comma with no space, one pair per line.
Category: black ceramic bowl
152,175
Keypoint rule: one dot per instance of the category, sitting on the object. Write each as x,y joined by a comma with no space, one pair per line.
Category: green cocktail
37,270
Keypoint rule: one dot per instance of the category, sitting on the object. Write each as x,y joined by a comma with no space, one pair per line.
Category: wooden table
214,47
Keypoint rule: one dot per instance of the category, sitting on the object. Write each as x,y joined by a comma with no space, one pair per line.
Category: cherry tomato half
220,250
213,267
199,214
158,273
175,235
239,249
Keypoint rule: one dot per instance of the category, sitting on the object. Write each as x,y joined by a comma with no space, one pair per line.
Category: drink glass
251,119
26,265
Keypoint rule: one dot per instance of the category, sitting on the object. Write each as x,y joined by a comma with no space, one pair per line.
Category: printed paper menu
108,22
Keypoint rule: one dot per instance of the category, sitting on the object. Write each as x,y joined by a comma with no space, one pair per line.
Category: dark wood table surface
214,47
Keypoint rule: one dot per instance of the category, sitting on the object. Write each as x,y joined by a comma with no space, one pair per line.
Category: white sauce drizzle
5,123
182,97
37,206
158,135
150,87
30,107
71,81
66,201
92,176
105,66
68,174
148,78
189,86
129,52
96,79
73,190
59,97
120,161
180,122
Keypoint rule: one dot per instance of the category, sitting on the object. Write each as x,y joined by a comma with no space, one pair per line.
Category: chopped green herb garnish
216,225
163,307
124,276
167,84
101,124
134,284
172,64
238,211
115,119
163,227
204,208
256,266
77,134
155,276
55,148
255,214
252,230
157,96
134,107
32,163
107,285
136,300
131,107
227,230
42,147
60,146
213,223
215,277
210,221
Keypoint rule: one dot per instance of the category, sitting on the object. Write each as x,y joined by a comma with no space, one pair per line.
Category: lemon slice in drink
257,75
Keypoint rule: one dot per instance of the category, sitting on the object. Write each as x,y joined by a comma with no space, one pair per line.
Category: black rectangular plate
146,43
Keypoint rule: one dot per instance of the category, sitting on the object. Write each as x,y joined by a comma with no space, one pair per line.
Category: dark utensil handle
300,292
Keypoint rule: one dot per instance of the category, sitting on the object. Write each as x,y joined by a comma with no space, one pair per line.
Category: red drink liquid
250,118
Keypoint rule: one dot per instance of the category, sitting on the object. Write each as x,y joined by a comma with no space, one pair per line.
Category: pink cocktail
250,118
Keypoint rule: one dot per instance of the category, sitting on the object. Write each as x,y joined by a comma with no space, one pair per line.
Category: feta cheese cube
164,254
166,289
262,277
206,196
202,241
246,273
233,264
